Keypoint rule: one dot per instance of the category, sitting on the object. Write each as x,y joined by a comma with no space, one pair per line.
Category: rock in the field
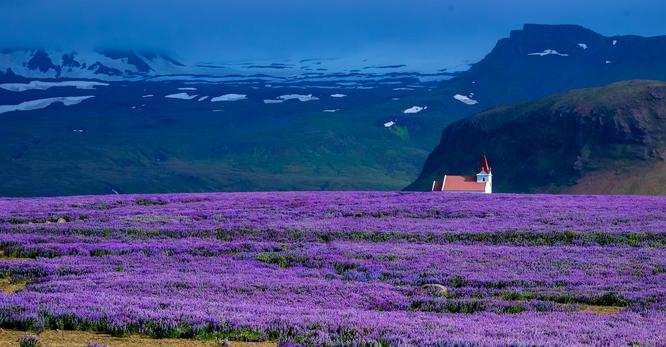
435,289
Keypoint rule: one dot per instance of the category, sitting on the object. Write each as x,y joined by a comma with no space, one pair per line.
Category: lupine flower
348,269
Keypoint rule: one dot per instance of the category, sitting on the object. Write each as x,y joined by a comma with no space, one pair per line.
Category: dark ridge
41,61
609,140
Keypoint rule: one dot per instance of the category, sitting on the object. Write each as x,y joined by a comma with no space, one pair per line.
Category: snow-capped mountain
115,65
102,64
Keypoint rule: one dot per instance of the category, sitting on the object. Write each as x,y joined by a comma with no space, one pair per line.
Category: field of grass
132,144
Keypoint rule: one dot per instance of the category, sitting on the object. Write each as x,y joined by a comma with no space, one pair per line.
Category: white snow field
44,103
41,85
229,97
465,99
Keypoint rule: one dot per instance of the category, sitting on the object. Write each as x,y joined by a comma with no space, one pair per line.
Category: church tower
485,174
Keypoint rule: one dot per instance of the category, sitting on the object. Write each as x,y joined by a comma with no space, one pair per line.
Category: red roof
463,184
484,164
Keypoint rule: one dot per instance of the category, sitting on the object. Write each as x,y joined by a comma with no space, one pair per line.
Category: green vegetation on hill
608,140
183,146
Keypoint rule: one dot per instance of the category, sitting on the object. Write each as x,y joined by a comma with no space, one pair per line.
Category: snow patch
608,62
389,124
187,88
299,97
338,95
466,99
148,96
44,103
203,98
181,96
415,109
273,101
229,97
332,110
582,45
614,42
549,52
41,85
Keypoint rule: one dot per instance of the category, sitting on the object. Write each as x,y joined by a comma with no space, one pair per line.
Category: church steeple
484,167
485,174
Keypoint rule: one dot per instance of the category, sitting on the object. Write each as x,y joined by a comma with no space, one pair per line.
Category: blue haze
419,32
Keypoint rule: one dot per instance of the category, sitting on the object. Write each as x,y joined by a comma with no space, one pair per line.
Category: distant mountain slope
600,140
117,65
103,64
542,60
538,61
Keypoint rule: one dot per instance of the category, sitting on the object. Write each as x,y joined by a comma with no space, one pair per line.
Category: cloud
441,32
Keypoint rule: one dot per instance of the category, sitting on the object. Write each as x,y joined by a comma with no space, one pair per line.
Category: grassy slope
175,145
603,140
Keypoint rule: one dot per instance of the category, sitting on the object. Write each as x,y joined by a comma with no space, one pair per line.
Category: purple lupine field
341,269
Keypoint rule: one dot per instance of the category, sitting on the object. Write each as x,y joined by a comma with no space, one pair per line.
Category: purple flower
343,268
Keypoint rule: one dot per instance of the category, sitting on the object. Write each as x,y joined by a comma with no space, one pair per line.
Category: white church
481,183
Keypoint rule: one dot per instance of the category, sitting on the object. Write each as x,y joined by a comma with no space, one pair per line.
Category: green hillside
608,140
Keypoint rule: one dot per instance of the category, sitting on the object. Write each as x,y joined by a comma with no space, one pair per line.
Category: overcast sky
432,31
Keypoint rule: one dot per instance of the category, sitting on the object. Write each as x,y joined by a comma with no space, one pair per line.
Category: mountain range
128,65
154,124
16,64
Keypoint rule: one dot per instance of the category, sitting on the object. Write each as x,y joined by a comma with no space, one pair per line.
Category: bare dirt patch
602,310
50,338
9,287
